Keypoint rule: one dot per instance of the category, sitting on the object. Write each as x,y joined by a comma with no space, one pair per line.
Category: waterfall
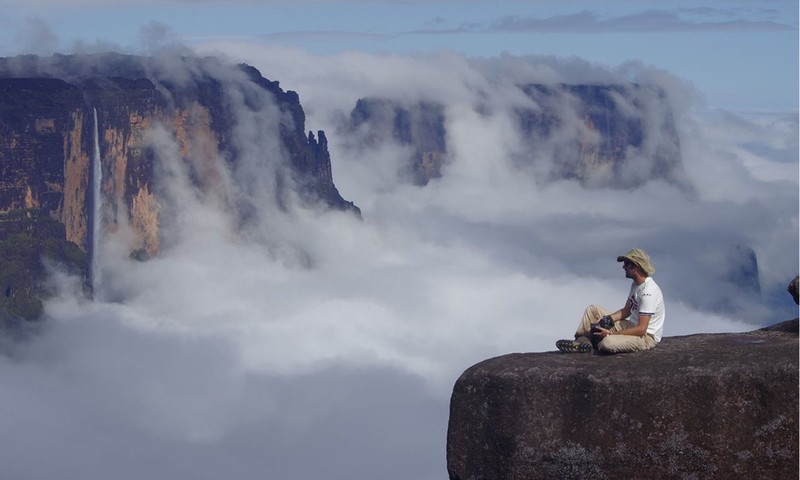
97,213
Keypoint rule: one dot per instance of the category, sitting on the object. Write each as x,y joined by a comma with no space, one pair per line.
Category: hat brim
648,270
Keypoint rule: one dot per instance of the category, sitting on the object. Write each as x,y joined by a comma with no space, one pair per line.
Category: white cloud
322,345
37,37
647,21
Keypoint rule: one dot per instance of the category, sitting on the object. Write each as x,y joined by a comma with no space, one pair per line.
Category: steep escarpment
621,136
420,126
42,144
124,124
712,406
617,136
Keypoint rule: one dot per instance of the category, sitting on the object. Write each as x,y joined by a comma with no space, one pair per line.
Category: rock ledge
696,407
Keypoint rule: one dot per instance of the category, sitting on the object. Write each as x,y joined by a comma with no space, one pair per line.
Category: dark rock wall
35,115
47,125
420,126
601,135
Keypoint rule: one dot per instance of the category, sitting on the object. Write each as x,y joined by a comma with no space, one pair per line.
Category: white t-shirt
647,298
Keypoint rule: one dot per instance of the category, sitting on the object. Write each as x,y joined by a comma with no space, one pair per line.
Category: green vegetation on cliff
27,240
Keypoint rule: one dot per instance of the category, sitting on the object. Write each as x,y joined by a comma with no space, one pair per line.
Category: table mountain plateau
85,144
68,123
617,136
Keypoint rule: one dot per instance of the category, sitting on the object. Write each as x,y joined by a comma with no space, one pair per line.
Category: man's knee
623,344
594,312
609,345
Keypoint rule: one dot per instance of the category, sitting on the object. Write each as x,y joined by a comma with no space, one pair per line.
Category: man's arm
622,313
638,330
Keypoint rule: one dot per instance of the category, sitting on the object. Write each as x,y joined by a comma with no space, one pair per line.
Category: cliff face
41,145
420,126
47,125
602,135
712,406
224,124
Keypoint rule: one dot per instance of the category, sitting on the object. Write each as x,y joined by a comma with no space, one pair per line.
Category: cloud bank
320,345
648,21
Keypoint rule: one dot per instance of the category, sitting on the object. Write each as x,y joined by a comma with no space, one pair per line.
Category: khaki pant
614,343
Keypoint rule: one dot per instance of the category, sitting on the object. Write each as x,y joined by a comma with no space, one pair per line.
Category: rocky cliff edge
703,406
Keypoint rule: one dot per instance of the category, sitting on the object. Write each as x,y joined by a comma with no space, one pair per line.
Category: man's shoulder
650,286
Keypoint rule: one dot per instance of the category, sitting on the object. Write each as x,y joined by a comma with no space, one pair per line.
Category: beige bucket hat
640,258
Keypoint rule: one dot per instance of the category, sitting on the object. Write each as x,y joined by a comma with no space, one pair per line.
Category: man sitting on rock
635,327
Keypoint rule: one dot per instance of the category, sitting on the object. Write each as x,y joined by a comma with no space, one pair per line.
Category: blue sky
740,54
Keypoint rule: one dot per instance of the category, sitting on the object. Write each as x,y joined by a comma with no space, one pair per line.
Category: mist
314,344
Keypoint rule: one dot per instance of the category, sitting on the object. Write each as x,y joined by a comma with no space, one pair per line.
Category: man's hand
603,332
606,322
603,326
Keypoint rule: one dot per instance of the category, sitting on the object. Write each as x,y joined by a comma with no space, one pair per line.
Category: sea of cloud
319,345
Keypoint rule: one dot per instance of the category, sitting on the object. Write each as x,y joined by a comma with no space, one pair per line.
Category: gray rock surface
701,406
